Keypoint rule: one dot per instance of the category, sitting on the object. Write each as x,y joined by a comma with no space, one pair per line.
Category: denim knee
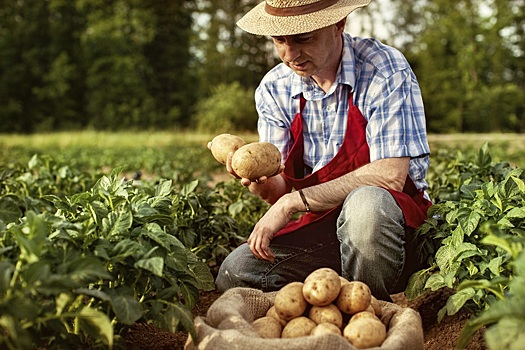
292,263
236,271
371,233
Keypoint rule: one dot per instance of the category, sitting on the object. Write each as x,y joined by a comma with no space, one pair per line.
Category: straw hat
290,17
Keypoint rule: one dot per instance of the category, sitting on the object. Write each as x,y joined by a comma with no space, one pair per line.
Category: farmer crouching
347,115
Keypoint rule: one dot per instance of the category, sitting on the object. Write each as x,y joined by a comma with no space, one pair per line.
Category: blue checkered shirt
384,89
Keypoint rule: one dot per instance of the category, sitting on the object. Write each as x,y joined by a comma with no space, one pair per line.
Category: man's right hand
245,181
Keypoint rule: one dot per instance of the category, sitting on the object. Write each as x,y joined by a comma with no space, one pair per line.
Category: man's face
311,54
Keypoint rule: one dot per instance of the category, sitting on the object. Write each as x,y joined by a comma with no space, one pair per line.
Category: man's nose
291,52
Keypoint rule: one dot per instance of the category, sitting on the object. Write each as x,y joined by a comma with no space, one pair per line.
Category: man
348,118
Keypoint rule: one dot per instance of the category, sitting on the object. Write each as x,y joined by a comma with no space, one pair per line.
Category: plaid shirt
384,89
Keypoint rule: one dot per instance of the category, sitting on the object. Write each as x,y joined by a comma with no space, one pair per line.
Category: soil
438,335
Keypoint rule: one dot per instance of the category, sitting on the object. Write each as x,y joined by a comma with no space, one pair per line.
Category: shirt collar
303,85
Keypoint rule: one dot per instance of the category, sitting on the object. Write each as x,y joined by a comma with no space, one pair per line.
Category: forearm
388,173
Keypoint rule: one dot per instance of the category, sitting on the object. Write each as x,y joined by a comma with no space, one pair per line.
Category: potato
325,328
365,333
298,327
267,327
378,311
343,280
326,314
363,314
354,297
272,313
321,287
289,301
223,144
256,159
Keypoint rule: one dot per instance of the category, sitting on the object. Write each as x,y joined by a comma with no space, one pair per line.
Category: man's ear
341,25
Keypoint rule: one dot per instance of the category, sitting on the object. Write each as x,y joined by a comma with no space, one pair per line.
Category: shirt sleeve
396,118
273,126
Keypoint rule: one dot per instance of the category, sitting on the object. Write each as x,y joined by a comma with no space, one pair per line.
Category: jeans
369,246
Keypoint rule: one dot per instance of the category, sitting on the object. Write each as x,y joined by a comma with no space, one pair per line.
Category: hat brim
258,21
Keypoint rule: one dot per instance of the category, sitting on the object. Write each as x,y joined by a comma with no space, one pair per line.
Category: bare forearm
388,173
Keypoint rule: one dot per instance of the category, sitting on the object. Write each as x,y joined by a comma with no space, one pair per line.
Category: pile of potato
249,160
325,303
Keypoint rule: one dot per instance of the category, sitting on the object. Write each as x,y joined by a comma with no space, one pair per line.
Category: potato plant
474,233
82,259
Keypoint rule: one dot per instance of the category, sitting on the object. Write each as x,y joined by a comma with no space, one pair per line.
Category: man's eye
302,40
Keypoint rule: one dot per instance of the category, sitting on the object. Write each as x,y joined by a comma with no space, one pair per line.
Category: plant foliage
81,259
474,232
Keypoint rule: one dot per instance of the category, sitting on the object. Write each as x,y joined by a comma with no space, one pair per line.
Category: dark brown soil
438,336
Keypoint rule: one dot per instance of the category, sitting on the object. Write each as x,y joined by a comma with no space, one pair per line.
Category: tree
115,34
469,68
228,54
23,61
173,81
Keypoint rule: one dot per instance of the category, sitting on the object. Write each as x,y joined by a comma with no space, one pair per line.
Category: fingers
260,247
245,181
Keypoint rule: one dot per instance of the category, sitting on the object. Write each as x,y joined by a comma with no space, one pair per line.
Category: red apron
353,154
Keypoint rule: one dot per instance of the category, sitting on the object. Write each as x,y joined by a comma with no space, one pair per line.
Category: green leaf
9,210
98,211
495,265
508,334
456,301
117,223
124,248
37,272
127,309
154,265
435,282
165,240
470,223
32,239
496,200
416,284
161,204
95,293
189,188
6,272
236,208
177,313
87,269
97,325
163,189
520,183
469,191
20,337
203,276
516,213
144,209
497,241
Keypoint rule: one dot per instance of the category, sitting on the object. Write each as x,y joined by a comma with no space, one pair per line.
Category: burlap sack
227,326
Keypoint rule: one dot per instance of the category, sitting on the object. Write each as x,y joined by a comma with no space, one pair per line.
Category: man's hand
244,181
275,219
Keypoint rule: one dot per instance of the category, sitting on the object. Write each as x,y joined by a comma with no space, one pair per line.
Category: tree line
157,64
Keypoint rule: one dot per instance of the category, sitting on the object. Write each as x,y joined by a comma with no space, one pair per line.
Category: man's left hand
264,231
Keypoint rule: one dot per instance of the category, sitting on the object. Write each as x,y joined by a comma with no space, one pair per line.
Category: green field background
151,152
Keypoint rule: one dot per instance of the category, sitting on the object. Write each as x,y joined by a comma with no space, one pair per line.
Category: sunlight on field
108,139
62,140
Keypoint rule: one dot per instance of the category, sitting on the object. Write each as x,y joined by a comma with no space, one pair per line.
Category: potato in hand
224,144
255,160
